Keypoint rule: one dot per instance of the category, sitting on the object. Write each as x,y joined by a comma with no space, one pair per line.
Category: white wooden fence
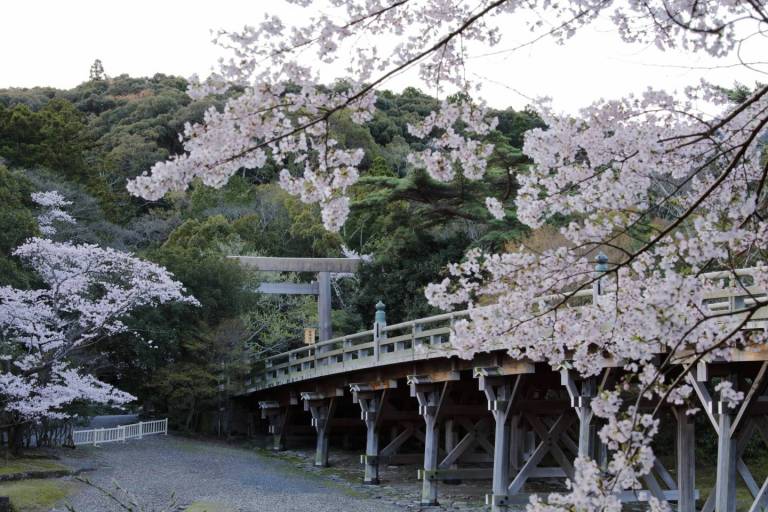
96,436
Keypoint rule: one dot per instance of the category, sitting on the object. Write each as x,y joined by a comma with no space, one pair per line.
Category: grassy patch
706,476
208,506
25,465
35,495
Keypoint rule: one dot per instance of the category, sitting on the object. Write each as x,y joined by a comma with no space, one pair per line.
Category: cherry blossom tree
668,191
86,293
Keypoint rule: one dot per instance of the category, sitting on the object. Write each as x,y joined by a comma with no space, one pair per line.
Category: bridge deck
428,338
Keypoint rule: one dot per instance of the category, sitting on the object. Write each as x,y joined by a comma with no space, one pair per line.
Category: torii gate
322,288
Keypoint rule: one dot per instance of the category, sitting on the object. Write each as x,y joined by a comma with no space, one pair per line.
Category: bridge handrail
380,346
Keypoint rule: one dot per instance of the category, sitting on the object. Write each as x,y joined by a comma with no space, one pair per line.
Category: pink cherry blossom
86,293
670,192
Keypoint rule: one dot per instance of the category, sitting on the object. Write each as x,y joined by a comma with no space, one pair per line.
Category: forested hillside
88,141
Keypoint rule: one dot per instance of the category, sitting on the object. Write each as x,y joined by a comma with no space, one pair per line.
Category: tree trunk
16,439
190,416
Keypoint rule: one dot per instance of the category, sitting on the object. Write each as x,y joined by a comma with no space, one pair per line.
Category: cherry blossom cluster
272,122
612,171
53,204
452,149
87,291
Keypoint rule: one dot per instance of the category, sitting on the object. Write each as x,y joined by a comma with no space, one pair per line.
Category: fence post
165,426
141,430
122,433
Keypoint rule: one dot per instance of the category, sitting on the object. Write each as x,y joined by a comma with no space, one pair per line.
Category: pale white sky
50,42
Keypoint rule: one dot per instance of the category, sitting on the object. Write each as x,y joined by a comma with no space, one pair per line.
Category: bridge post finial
381,314
601,262
379,323
601,265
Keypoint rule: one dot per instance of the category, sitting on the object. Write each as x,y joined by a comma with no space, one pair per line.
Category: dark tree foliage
88,141
54,137
17,223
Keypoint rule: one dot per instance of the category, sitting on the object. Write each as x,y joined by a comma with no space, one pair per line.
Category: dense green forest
88,141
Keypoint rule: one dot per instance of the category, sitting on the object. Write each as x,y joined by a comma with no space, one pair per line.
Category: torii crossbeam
322,266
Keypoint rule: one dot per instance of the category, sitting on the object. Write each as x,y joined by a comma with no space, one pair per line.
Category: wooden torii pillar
323,267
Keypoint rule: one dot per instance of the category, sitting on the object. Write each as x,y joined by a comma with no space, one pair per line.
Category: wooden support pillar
277,416
686,461
321,407
725,486
602,455
581,397
370,401
431,397
515,443
371,460
451,440
500,392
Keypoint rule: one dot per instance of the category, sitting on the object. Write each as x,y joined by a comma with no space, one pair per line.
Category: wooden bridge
496,419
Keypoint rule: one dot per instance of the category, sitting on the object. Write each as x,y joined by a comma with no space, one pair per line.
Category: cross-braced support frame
734,428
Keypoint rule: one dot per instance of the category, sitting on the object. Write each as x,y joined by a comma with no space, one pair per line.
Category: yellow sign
309,335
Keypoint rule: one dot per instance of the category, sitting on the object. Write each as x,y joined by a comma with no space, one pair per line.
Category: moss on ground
35,495
293,464
25,465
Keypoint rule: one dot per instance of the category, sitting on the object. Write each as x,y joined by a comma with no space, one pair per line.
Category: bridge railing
426,338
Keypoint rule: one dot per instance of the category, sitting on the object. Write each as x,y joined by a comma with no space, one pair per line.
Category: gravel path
235,480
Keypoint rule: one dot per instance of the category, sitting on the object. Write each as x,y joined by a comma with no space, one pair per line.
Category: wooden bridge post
686,461
580,401
431,397
725,486
370,401
451,440
321,407
500,391
277,416
515,443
